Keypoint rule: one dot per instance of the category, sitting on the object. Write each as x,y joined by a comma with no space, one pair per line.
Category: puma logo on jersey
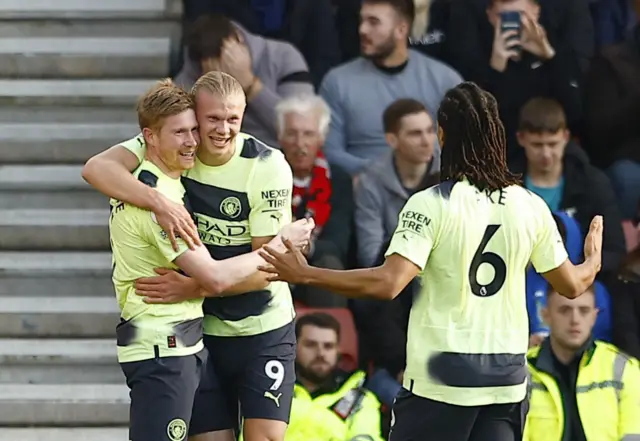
276,399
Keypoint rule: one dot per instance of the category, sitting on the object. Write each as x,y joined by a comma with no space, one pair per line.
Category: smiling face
220,119
175,141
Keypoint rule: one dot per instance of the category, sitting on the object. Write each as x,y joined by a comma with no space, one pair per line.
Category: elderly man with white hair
324,193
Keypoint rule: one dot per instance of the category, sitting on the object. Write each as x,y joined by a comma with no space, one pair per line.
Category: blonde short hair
161,101
218,83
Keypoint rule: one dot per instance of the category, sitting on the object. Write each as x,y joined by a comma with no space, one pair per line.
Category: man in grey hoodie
268,70
384,188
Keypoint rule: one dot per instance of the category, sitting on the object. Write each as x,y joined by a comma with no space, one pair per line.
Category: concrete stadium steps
80,28
54,229
58,317
69,229
66,9
62,134
59,361
44,187
64,405
58,434
84,56
56,274
68,92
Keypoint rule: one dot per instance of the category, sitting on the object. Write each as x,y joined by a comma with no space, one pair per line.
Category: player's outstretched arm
110,172
384,282
572,281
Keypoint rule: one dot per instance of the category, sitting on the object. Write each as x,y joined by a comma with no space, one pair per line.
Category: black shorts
416,418
162,394
246,377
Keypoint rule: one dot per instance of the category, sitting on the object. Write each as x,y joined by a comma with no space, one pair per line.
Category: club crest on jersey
231,207
177,430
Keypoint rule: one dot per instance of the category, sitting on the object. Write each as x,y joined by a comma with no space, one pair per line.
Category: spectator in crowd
387,70
557,170
318,191
612,112
307,24
537,287
329,404
430,27
580,389
428,31
626,307
556,44
384,188
268,70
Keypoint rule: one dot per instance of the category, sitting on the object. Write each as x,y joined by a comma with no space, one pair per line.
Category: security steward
329,404
580,389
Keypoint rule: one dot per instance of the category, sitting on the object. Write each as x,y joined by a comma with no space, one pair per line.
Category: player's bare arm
571,281
110,172
171,286
384,282
256,281
210,278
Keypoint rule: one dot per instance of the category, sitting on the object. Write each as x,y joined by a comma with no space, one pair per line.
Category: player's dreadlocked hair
474,139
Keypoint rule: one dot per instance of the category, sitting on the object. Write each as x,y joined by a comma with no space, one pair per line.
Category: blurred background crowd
349,90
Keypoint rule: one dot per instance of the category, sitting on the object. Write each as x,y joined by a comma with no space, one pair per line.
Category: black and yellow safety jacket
604,405
345,411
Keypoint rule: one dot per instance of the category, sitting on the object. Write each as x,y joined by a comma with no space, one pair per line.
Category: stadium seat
630,234
348,339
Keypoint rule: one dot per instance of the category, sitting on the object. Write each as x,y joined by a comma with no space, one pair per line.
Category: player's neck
217,159
564,355
410,173
164,168
548,179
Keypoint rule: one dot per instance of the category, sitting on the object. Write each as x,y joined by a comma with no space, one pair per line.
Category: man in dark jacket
558,171
556,43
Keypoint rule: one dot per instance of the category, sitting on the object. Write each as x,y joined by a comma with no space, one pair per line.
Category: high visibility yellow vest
350,413
608,397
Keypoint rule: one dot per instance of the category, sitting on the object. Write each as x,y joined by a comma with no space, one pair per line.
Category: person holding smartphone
516,30
521,49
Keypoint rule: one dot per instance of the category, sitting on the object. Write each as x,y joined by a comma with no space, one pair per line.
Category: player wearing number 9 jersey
470,239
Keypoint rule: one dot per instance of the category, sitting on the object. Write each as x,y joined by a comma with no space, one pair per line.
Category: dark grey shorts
162,394
250,377
416,418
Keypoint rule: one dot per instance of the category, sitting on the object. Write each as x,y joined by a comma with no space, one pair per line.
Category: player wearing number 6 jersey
471,238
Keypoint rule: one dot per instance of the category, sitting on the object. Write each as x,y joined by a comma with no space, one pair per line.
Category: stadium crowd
349,91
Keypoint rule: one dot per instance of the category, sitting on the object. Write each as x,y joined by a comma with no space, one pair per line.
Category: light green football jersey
468,327
139,245
249,196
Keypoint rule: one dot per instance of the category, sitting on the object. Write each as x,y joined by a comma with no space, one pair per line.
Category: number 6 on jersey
498,264
274,370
